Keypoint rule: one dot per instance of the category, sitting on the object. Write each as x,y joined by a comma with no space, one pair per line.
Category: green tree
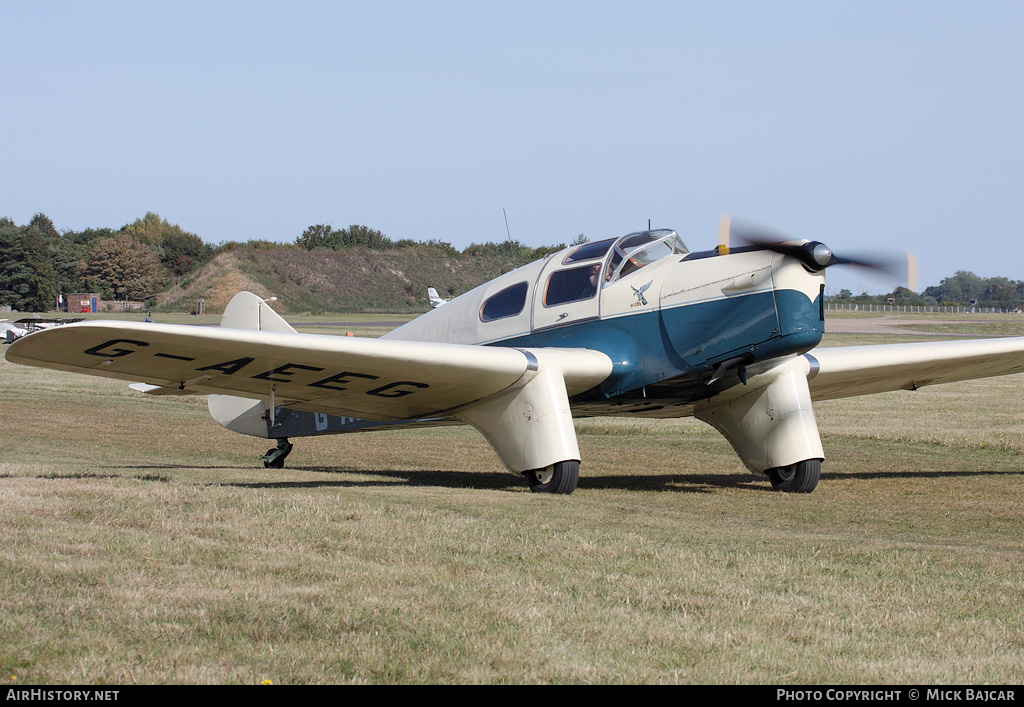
964,287
961,288
1000,292
14,274
358,236
121,268
314,237
178,250
183,252
27,281
71,257
444,247
46,227
43,280
150,229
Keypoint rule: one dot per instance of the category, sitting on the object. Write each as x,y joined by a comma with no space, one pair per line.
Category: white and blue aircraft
636,325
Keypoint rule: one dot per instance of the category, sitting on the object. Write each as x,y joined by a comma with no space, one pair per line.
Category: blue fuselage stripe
686,342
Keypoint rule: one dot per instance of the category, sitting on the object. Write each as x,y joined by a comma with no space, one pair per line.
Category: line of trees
137,261
963,289
966,288
326,237
134,262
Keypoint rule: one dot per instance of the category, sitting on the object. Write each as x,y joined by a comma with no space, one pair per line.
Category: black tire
801,477
561,477
274,458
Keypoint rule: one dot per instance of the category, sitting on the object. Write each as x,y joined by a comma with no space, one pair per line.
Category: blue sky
866,125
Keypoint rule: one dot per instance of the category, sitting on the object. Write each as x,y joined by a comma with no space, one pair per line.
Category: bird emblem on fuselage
640,299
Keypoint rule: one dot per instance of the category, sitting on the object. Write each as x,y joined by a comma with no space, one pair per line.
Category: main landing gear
274,458
560,477
801,477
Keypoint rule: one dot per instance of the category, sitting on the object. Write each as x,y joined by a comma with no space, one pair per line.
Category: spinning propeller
817,256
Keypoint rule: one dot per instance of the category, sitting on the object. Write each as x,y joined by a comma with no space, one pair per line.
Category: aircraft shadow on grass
677,483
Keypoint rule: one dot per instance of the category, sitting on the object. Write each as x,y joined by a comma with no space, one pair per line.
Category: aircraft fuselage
670,325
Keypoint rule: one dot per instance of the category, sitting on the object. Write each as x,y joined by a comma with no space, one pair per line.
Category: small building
80,302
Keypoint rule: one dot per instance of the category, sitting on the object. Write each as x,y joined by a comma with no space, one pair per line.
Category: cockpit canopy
629,253
584,270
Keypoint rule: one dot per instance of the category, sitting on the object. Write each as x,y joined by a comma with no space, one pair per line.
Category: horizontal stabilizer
158,389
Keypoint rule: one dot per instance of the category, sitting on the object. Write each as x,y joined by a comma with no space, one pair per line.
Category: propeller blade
818,256
902,267
724,232
913,273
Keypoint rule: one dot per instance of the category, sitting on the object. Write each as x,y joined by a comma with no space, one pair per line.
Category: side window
572,285
507,303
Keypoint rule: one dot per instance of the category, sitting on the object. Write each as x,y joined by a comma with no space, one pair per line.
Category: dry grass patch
145,544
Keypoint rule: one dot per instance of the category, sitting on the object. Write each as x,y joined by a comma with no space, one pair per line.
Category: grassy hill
350,280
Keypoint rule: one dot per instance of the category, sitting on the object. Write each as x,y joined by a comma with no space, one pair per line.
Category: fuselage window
507,303
589,251
572,285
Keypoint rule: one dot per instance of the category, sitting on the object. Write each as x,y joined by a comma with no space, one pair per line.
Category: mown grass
144,544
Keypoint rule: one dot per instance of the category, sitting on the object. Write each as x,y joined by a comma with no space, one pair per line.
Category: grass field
144,544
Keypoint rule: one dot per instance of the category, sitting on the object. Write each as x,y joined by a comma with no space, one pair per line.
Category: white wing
861,370
369,378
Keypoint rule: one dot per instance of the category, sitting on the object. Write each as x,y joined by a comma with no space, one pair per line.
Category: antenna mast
511,248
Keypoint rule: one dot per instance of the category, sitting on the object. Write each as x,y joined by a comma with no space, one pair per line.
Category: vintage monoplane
636,325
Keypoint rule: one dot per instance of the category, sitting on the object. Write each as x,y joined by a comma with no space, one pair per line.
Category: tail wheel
274,458
560,477
801,477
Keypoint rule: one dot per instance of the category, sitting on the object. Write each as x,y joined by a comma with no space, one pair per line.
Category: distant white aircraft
435,299
9,331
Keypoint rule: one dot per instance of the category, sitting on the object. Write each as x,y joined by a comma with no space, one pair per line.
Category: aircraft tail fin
245,415
249,311
435,299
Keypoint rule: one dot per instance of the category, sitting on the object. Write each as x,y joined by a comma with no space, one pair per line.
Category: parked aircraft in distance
435,299
636,325
28,325
9,331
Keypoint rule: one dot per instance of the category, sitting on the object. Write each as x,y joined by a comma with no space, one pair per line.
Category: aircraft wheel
274,458
801,477
560,477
